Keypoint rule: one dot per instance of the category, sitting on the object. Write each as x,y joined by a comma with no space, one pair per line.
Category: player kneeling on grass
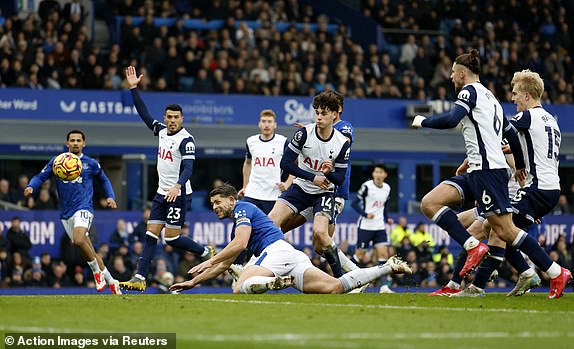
279,265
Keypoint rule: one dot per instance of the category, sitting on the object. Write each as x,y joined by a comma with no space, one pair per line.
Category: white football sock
362,276
94,266
346,264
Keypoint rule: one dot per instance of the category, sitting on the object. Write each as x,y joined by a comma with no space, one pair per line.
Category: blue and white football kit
268,245
76,207
310,151
372,199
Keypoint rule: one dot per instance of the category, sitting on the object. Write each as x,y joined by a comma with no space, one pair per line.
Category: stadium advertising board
45,230
117,106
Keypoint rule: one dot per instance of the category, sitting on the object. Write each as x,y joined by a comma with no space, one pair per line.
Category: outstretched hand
132,78
28,191
200,268
182,286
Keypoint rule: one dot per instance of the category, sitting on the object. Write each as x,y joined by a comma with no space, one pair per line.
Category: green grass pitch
408,320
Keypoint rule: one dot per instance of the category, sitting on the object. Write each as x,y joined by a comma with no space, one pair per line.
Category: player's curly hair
225,190
327,99
471,60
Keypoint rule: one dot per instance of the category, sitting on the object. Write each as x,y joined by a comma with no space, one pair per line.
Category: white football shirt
482,128
540,138
265,167
313,151
373,199
172,150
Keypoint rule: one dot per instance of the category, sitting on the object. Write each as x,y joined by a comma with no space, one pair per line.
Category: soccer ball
67,166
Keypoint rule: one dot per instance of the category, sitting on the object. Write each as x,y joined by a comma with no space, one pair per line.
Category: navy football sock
332,257
448,221
514,257
487,266
458,265
147,254
185,243
532,249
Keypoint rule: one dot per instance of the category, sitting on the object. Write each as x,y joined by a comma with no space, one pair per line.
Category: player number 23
173,213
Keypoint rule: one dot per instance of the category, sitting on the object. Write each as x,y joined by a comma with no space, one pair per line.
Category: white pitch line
400,307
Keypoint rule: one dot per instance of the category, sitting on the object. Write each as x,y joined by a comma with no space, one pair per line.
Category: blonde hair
528,81
268,112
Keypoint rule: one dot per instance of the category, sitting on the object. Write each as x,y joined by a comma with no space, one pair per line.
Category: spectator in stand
4,241
564,255
59,278
73,11
79,279
400,231
46,263
562,207
19,196
4,265
421,238
5,192
18,239
139,231
35,277
44,201
119,270
120,236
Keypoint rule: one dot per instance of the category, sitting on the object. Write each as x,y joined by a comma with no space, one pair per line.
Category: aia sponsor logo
264,162
164,154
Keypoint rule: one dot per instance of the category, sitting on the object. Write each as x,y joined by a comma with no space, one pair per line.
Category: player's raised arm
133,80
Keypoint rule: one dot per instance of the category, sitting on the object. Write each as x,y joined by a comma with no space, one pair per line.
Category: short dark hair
174,107
75,132
381,166
471,60
225,190
327,100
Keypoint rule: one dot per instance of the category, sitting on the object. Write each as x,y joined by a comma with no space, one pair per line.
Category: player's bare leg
280,213
82,240
254,279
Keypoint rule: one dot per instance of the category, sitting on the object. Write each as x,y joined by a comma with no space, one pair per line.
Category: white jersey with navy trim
540,138
482,127
313,151
373,199
172,150
265,167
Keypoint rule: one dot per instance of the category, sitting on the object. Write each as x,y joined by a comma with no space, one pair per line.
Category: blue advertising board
45,229
117,106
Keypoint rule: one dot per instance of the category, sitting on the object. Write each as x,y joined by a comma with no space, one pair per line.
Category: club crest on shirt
464,95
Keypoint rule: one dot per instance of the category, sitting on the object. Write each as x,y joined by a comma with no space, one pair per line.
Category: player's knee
335,287
427,205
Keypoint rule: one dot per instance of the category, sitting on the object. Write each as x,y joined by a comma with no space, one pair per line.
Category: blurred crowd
120,254
52,49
